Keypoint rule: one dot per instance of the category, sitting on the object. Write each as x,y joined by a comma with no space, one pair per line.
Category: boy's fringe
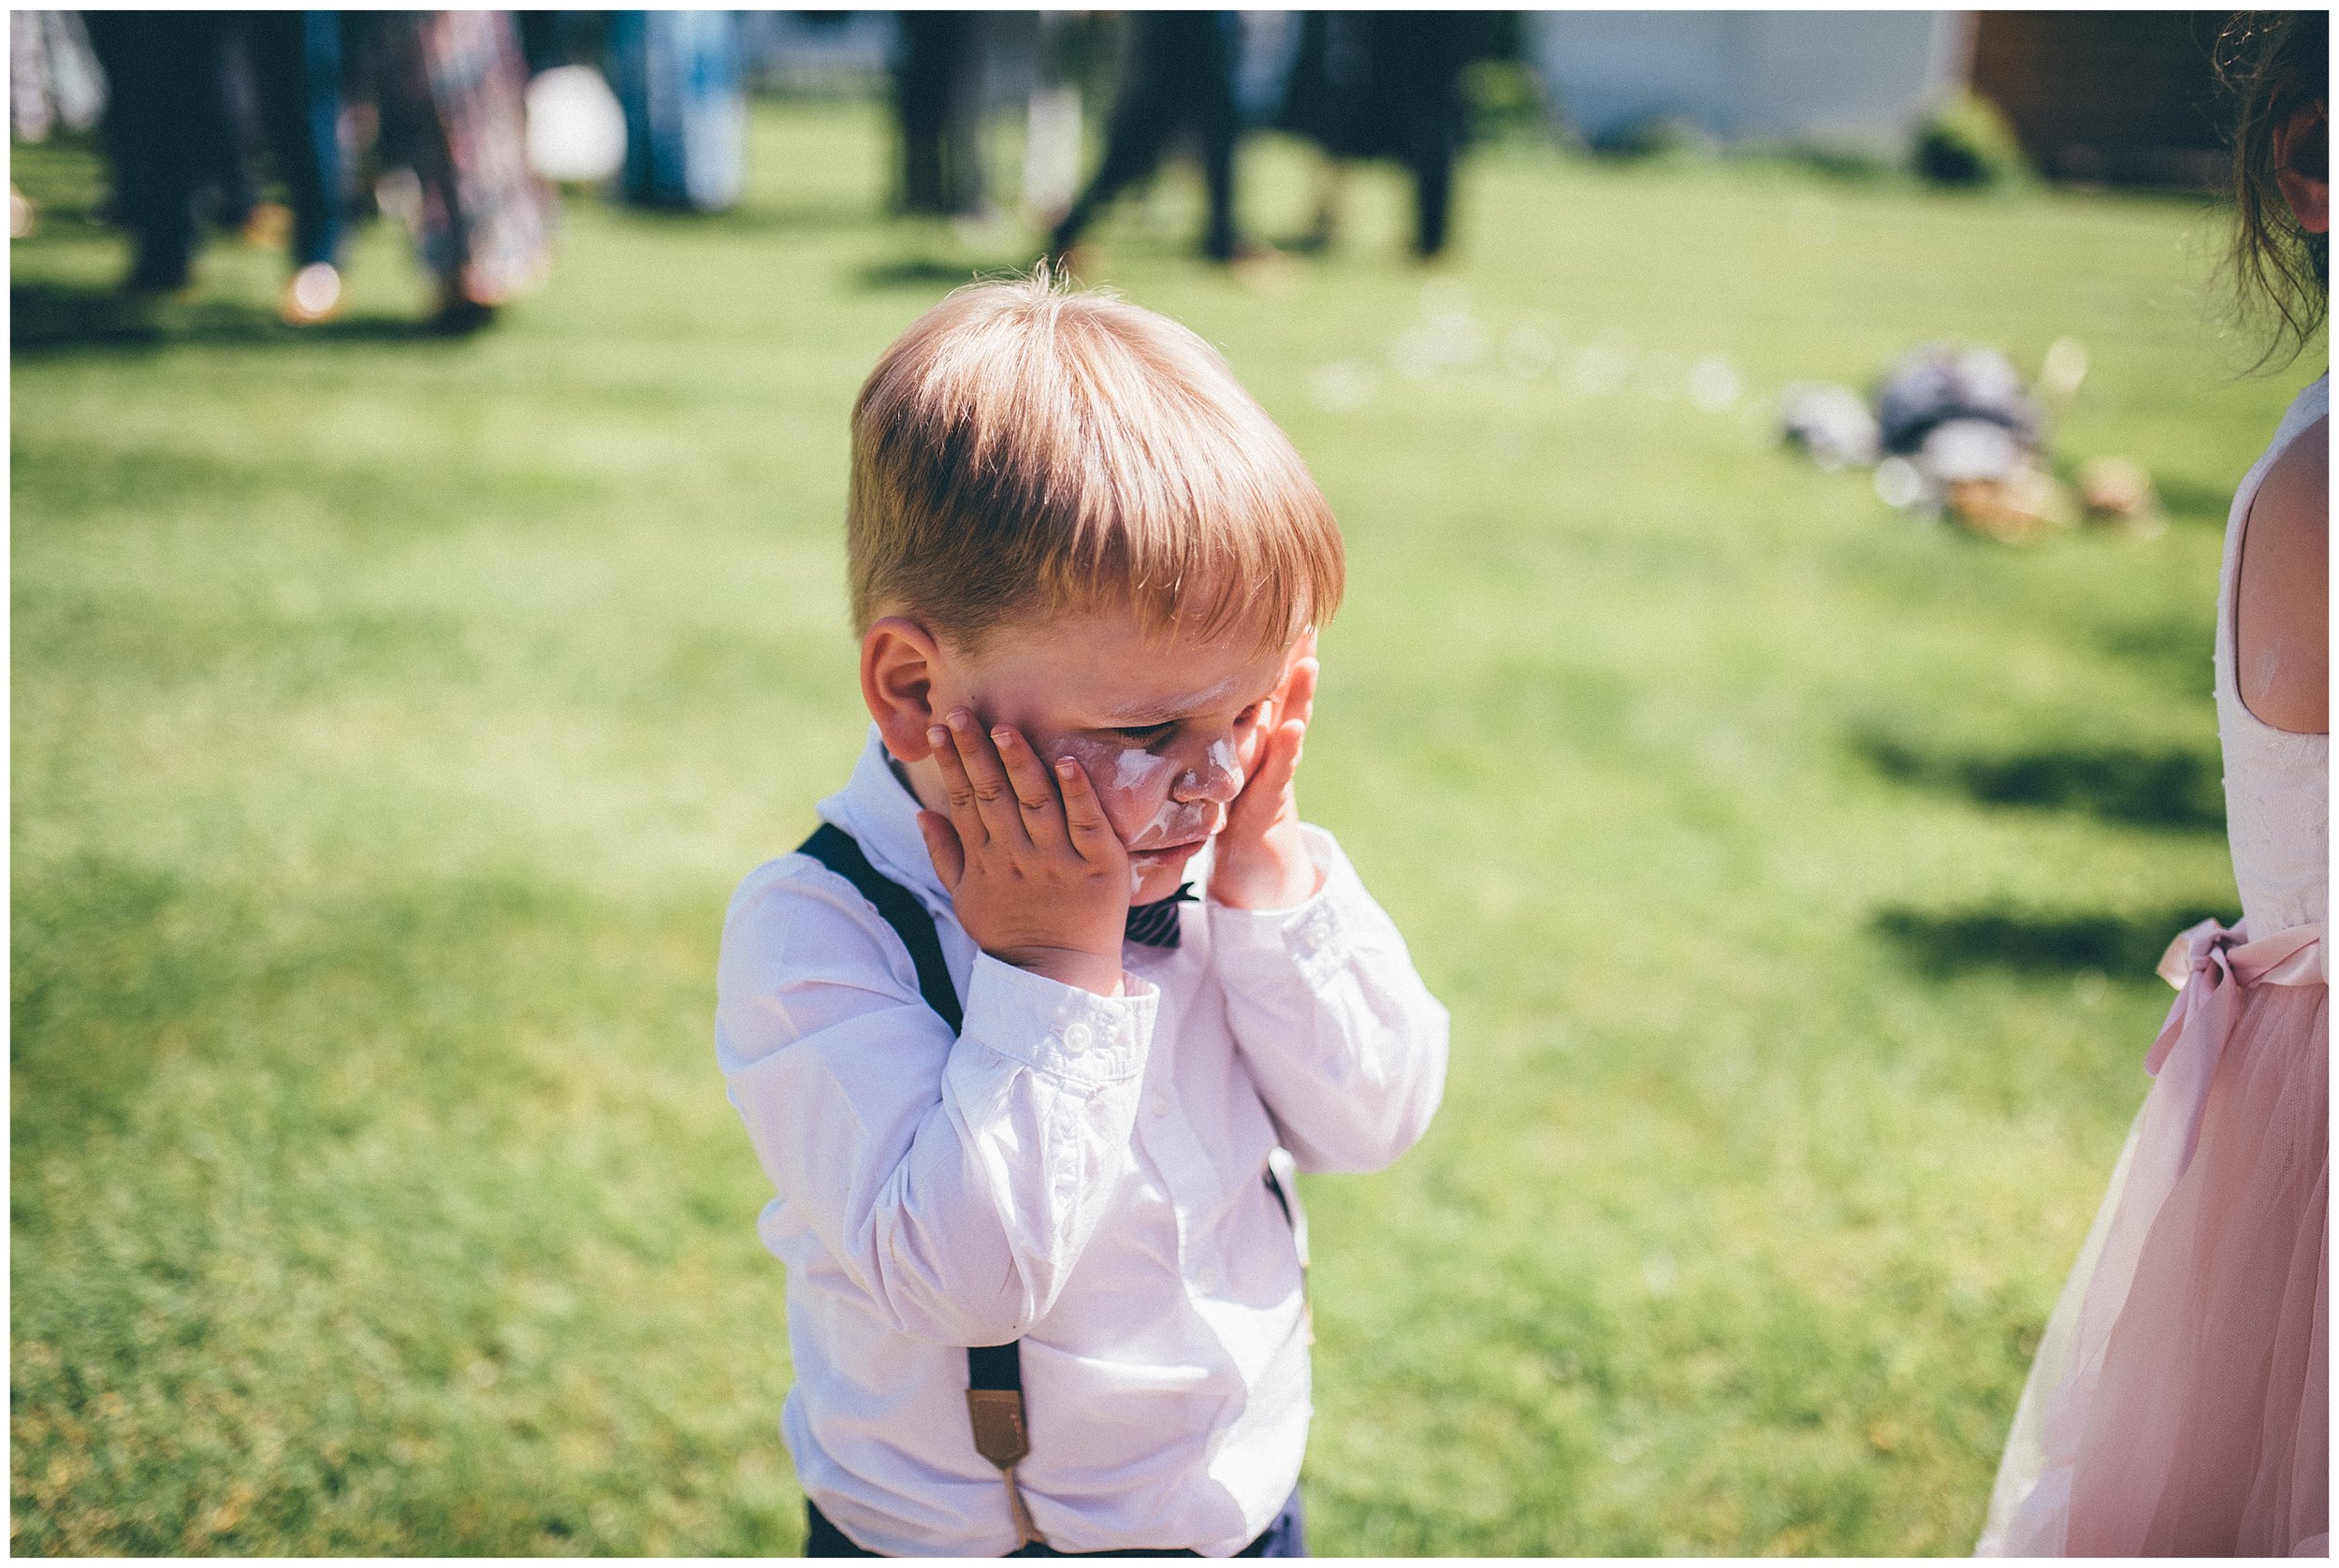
1030,447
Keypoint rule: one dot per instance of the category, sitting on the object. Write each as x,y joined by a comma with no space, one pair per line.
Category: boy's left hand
1260,862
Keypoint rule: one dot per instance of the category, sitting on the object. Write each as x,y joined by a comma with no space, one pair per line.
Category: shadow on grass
2170,790
820,218
2190,499
116,966
1941,944
927,272
52,319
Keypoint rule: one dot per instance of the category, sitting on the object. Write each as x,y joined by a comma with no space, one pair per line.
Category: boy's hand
1260,862
1039,880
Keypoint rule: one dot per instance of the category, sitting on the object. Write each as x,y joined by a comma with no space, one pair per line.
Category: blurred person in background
2180,1401
1070,47
451,86
169,138
1382,84
188,90
681,77
1179,79
295,61
938,103
53,81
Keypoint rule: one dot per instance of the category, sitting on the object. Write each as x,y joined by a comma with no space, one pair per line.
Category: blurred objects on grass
2119,490
1830,423
1955,432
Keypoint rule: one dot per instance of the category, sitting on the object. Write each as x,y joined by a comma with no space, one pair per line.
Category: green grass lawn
393,717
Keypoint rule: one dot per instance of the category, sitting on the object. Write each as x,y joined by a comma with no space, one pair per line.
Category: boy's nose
1216,774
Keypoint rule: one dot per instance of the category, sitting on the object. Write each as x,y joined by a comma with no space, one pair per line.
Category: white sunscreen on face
1222,757
1134,785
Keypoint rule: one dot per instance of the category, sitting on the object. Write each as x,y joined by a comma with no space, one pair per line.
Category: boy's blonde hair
1025,451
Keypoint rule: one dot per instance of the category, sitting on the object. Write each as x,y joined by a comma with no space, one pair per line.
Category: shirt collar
882,813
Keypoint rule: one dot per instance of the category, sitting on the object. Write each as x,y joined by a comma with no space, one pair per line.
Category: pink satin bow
2210,966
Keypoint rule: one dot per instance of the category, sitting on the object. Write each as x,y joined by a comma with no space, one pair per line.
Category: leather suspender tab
997,1415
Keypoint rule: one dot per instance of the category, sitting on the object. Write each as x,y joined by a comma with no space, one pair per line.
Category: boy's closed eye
1153,734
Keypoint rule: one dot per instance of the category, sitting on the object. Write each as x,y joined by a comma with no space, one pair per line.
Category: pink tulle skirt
2180,1400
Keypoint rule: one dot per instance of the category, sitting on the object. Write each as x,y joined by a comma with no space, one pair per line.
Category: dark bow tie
1155,924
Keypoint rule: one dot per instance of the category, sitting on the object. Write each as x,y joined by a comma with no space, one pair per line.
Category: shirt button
1077,1037
1159,1103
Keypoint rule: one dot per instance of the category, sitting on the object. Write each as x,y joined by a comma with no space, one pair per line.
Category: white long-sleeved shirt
1082,1172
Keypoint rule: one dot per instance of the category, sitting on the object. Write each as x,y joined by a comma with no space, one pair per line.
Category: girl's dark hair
2275,63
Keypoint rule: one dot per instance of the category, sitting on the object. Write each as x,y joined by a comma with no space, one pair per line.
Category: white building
1822,77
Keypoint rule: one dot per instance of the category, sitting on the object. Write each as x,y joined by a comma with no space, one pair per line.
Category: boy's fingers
942,844
1035,796
965,815
993,799
1263,797
1085,816
1283,761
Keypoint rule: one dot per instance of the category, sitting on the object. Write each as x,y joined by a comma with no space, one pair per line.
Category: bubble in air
1715,383
1899,484
1343,386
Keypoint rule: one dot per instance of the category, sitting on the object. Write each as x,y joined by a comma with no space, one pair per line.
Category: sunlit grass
393,717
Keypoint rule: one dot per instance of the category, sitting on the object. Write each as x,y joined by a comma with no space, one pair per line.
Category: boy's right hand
1040,880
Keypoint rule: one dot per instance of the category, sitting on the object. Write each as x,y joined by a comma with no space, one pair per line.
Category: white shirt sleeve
955,1183
1346,1044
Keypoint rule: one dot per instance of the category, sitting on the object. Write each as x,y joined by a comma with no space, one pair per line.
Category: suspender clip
998,1418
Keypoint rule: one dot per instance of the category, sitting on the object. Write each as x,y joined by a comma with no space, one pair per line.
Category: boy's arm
955,1183
1346,1044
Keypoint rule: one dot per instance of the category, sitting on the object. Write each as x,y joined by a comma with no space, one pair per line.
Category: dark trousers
1286,1537
938,100
1180,79
166,130
297,64
169,131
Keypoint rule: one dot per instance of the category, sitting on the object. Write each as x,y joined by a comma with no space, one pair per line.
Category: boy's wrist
1077,967
1276,874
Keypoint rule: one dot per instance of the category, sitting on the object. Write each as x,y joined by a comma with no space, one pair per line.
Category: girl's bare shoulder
2282,611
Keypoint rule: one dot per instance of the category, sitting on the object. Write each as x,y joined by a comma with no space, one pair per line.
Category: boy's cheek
1133,784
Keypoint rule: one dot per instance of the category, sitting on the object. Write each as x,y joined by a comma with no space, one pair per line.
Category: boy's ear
899,664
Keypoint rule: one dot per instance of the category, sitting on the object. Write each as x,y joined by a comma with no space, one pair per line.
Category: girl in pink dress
2180,1401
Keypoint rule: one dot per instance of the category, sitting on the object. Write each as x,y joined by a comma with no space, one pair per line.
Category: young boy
1018,1090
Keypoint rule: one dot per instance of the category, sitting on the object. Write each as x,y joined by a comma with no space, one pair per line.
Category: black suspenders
994,1372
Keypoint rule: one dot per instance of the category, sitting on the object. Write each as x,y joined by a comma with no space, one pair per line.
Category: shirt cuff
1061,1030
1316,934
